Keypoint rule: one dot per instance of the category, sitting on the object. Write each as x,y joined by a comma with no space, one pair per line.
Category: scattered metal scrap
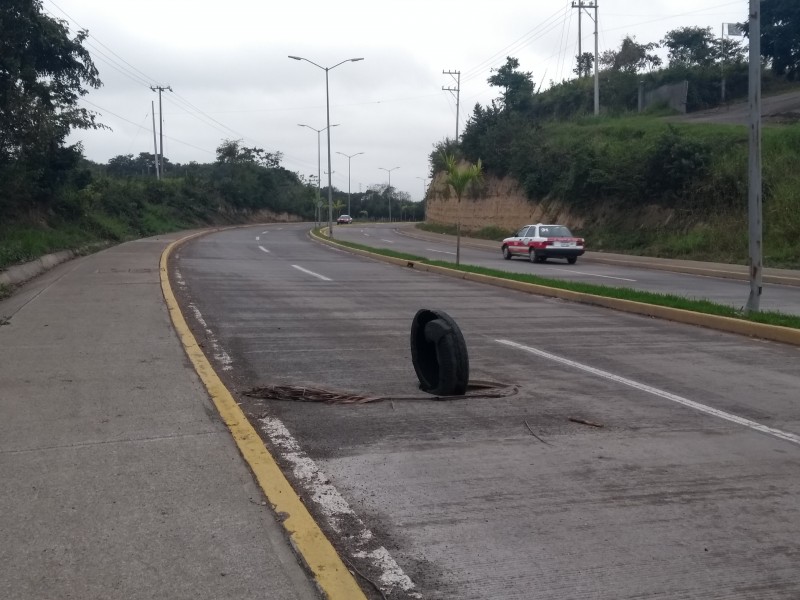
585,422
294,393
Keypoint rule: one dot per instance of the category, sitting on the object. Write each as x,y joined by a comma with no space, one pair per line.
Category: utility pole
456,91
160,89
579,6
591,4
754,195
155,144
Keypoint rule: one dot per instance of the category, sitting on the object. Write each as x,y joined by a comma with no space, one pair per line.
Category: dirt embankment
504,205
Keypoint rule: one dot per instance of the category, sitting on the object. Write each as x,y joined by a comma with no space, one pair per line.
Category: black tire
506,253
572,260
439,353
535,257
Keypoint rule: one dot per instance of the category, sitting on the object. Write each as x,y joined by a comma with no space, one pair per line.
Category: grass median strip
668,300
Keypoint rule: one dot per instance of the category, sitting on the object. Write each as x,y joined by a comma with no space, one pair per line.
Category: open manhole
295,393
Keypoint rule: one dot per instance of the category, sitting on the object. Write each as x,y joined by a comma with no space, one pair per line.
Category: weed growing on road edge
5,291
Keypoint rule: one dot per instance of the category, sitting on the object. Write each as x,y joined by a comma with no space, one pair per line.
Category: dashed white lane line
264,249
594,275
258,238
439,251
778,433
263,232
317,275
388,241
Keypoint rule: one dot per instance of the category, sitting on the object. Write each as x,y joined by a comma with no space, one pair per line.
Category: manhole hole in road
475,389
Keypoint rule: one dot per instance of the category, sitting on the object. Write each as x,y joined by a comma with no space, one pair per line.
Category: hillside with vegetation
636,182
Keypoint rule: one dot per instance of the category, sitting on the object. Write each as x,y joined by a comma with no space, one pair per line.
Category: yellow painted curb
329,571
775,333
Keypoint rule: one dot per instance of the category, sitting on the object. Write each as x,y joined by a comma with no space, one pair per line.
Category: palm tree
459,177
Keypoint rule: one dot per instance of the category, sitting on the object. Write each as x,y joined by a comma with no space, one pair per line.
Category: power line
121,118
143,75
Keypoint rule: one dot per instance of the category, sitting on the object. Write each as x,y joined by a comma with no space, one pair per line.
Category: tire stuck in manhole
439,353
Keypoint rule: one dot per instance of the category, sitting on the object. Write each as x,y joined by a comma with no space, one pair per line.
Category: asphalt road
629,458
725,291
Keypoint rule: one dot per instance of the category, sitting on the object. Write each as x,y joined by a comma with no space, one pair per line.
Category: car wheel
506,253
572,260
536,257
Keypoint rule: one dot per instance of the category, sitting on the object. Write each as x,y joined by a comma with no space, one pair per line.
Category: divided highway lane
635,457
725,291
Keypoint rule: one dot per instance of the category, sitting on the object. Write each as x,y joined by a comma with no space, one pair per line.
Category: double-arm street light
389,189
319,161
349,156
328,113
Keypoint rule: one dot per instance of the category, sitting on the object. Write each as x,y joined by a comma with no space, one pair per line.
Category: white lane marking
439,251
258,238
263,249
317,275
217,351
782,435
263,232
336,509
594,274
388,241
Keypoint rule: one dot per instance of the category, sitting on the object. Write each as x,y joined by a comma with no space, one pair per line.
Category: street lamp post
424,194
349,156
328,114
389,189
319,161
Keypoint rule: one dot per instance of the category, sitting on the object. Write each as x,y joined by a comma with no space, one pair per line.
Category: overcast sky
228,66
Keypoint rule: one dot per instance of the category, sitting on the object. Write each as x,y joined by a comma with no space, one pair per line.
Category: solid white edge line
263,249
782,435
439,251
317,275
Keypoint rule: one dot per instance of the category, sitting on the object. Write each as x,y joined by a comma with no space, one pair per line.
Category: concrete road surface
627,458
118,479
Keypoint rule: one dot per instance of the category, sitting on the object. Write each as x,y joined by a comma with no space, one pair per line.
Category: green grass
668,300
5,291
18,245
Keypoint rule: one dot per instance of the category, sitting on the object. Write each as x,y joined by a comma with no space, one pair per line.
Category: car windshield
554,231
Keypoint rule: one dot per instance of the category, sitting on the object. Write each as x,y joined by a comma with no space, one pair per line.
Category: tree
459,176
691,46
517,85
43,72
232,151
780,36
631,57
583,64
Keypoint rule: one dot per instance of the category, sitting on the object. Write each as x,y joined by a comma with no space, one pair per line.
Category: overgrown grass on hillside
641,185
668,300
26,243
29,242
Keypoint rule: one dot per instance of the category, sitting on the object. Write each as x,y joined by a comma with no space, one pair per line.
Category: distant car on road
344,220
539,242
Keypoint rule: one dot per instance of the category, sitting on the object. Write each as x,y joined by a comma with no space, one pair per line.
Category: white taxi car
539,242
